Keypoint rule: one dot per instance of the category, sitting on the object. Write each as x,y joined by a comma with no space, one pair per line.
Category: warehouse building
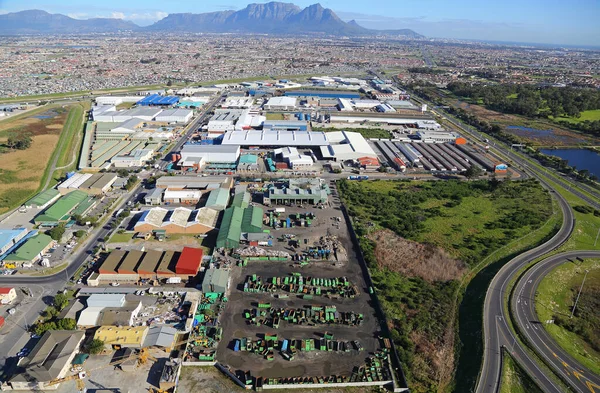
166,266
133,159
185,197
344,145
249,120
160,336
158,100
149,264
182,116
252,219
241,199
115,337
231,228
281,104
218,199
61,210
296,191
437,136
110,115
275,138
189,261
194,182
215,281
49,359
31,251
108,309
248,162
179,220
154,197
285,125
222,121
9,238
130,262
43,199
116,100
238,102
109,266
93,184
294,158
323,94
215,156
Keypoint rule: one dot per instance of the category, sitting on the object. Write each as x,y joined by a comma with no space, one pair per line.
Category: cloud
147,16
2,12
117,15
78,15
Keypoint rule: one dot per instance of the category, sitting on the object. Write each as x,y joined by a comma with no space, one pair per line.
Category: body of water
579,158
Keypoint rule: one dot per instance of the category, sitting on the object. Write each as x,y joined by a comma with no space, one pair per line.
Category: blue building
156,99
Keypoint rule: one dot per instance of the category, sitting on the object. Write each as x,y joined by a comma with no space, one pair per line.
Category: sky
572,22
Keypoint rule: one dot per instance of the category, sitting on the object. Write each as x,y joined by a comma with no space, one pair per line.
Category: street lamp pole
579,294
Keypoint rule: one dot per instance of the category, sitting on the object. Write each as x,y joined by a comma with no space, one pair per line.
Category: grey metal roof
49,356
160,336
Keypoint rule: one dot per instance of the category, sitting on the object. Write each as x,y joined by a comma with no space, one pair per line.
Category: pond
579,158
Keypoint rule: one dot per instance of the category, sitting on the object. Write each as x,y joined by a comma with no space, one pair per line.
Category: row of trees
534,101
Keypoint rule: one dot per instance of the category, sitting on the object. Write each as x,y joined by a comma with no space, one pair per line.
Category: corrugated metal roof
31,249
241,199
218,197
231,228
130,262
252,219
168,262
189,261
111,262
43,197
63,206
150,262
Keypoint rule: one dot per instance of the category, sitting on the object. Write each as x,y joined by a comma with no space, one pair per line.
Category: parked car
115,284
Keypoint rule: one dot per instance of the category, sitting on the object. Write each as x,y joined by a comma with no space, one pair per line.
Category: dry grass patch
415,259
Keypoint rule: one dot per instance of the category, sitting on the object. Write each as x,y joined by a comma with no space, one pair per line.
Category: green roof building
31,250
215,281
231,228
62,209
218,199
248,159
252,219
43,199
241,199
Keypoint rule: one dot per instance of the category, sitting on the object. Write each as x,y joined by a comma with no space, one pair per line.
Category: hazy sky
546,21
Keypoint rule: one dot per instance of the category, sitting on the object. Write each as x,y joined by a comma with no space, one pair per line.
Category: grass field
54,132
556,295
366,132
515,380
275,116
585,115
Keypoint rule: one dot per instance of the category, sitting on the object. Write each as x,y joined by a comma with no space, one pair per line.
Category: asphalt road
523,304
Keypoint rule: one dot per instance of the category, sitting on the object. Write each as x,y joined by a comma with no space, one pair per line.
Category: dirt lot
101,376
211,380
314,363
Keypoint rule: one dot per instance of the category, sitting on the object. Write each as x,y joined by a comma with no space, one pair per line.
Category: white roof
274,138
349,145
281,101
89,316
75,181
106,300
183,194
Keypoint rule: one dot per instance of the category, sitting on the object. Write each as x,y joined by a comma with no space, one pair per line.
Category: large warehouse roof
63,206
252,219
31,249
189,262
194,182
231,228
274,138
218,198
43,197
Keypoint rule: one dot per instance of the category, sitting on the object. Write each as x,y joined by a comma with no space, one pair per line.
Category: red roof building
368,161
189,262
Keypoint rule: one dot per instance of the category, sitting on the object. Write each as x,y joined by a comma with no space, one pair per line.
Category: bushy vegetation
50,319
528,100
586,322
365,132
94,347
469,220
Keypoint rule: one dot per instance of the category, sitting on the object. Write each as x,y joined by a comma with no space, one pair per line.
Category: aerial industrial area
207,213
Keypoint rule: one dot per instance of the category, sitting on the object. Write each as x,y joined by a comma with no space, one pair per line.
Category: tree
57,232
19,141
61,301
80,233
473,172
123,172
66,324
95,347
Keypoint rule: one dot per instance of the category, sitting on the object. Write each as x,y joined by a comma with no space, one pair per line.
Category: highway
523,306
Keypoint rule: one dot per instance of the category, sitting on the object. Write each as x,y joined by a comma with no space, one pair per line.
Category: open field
366,132
555,299
468,222
592,115
22,170
514,379
275,116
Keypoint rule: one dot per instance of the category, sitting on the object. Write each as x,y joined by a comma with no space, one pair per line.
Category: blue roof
144,215
157,99
7,236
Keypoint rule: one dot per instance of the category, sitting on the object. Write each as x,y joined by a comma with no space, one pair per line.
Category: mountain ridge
276,18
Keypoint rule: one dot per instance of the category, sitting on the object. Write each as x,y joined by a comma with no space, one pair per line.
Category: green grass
555,296
275,116
591,115
121,238
515,379
365,132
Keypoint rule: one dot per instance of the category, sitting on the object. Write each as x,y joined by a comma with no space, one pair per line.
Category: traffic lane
576,373
494,301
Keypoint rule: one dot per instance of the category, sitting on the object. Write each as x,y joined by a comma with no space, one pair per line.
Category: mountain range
270,18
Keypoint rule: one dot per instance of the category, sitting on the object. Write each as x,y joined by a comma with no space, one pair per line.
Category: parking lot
329,222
